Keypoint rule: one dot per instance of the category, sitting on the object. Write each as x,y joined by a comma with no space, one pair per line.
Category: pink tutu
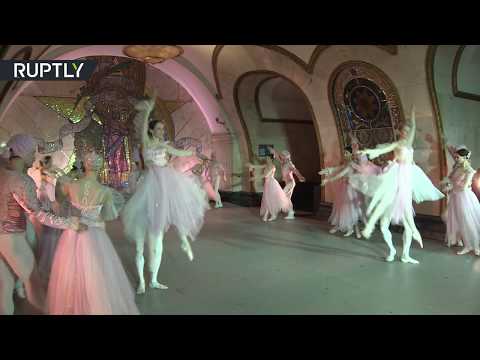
463,219
274,200
347,206
88,278
165,197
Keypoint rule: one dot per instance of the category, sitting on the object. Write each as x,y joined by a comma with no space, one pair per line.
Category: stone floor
244,266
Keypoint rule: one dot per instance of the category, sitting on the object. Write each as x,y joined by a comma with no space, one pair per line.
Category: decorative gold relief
153,54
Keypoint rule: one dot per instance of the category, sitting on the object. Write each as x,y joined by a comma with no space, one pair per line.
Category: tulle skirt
88,278
463,219
165,197
396,188
274,200
347,207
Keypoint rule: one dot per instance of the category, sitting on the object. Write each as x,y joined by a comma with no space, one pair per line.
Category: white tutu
165,197
274,199
397,186
463,219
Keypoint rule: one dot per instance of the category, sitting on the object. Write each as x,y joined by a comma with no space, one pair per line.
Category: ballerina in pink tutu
274,199
87,276
163,197
349,205
463,209
392,193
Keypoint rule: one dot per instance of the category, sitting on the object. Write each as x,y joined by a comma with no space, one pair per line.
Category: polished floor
243,266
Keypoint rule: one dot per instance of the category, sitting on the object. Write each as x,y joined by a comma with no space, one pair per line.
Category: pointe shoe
367,233
477,252
409,260
416,236
391,255
218,206
333,231
187,249
464,251
358,234
20,291
157,285
273,218
349,233
141,288
290,216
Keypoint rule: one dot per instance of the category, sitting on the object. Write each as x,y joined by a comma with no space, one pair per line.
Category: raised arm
297,173
330,171
177,152
276,154
338,176
381,149
144,109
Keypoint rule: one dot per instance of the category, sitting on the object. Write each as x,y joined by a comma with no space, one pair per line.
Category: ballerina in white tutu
463,209
393,191
163,197
87,276
274,199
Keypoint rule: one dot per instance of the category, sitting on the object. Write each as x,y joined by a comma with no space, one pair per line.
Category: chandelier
153,54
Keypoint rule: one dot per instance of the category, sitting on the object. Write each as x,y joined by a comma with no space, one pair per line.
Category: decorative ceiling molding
307,67
153,54
456,64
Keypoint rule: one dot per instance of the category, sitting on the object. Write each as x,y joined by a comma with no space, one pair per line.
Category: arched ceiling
200,59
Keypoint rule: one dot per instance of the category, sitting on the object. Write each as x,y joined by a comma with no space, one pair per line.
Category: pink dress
347,205
463,211
274,199
87,276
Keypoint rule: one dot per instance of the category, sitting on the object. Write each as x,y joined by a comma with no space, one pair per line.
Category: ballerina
288,170
87,275
348,204
47,236
274,199
216,172
463,208
163,197
18,199
392,193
